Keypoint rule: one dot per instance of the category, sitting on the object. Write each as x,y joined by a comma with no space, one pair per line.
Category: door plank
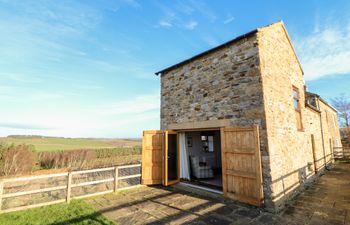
152,157
241,164
241,174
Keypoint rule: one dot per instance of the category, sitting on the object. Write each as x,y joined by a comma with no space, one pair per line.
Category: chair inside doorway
204,154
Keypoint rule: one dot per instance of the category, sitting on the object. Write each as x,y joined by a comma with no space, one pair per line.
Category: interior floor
216,181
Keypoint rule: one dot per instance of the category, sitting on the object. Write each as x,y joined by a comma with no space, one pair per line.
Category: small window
312,101
296,98
208,143
296,105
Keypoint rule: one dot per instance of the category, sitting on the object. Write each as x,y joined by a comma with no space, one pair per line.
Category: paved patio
326,202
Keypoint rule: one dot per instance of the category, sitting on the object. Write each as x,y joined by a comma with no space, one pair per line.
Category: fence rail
68,187
341,153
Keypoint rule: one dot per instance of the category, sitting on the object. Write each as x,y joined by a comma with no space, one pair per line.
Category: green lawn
342,161
76,213
56,143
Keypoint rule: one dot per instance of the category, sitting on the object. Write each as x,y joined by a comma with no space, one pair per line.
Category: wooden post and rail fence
341,152
68,187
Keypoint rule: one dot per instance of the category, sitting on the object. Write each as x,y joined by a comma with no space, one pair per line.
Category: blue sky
86,68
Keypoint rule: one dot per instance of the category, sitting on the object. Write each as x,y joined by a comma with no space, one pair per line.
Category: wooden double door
160,157
241,162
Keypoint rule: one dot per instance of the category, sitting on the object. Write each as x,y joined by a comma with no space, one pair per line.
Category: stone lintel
200,124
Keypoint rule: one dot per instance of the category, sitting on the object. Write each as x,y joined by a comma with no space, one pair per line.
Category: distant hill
28,136
45,143
20,136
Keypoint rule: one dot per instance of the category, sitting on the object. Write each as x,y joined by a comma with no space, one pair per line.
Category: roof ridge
220,46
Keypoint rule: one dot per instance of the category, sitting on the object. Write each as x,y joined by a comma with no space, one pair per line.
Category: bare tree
16,159
342,104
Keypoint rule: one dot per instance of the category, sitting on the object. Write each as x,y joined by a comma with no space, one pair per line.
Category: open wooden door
241,164
160,157
153,148
171,159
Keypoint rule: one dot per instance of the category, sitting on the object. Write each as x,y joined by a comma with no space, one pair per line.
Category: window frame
295,89
299,124
206,143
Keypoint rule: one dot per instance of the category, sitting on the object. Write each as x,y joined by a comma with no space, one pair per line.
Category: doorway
203,152
171,160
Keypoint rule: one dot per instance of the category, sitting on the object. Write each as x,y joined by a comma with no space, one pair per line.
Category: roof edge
308,106
326,103
322,100
207,51
291,44
248,34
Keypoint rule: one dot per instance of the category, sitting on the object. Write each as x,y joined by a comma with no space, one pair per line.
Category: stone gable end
250,82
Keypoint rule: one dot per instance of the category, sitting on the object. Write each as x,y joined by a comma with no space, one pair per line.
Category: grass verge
342,161
77,213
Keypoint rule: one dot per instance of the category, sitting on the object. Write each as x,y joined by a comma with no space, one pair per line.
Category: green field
77,213
57,143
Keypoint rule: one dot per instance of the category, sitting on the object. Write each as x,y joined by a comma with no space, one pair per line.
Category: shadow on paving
159,205
326,202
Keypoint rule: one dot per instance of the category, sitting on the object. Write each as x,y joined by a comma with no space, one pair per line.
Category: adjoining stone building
220,106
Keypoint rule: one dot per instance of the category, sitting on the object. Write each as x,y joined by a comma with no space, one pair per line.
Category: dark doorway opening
172,157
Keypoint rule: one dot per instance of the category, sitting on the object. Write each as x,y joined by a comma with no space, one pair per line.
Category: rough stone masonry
249,81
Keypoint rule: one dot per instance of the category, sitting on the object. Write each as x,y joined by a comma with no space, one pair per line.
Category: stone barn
238,120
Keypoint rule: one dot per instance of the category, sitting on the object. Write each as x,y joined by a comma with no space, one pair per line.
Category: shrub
85,158
73,159
110,152
16,159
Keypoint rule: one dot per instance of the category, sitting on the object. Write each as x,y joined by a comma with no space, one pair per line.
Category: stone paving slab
326,202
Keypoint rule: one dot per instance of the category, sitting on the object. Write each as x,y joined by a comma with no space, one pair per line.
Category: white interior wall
213,159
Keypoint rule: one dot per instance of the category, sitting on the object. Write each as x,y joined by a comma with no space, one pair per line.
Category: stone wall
312,126
250,82
331,132
280,71
223,85
290,150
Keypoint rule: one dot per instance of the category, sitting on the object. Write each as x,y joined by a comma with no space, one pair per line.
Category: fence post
116,176
1,192
69,183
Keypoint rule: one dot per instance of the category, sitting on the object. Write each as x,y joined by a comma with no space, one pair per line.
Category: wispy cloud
125,117
23,126
20,94
228,19
43,31
133,3
203,9
325,52
47,39
184,8
210,40
180,14
165,24
7,90
19,78
58,72
70,16
136,105
191,25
